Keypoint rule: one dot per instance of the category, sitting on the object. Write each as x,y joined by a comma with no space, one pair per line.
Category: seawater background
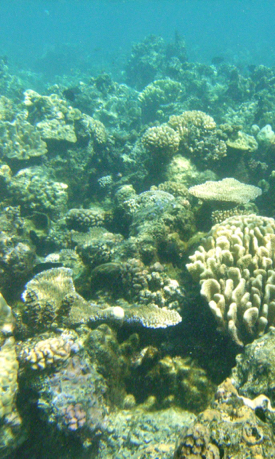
56,37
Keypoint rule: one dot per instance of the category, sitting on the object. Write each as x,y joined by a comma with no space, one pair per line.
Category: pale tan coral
99,132
236,268
162,141
54,119
243,142
57,130
20,140
45,353
226,190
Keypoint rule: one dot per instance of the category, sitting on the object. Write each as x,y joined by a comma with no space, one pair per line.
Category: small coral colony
138,260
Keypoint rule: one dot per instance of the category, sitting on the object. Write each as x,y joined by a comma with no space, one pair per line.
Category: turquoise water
102,32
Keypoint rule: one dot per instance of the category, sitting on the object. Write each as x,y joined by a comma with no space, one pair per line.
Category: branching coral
235,267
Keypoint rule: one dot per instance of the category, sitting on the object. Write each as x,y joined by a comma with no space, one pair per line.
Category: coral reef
234,265
98,215
229,427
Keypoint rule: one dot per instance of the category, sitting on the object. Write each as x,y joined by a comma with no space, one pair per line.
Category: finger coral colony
137,260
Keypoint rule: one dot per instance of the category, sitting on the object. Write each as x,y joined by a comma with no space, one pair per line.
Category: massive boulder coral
235,267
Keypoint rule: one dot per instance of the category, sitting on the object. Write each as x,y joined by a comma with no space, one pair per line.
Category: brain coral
236,268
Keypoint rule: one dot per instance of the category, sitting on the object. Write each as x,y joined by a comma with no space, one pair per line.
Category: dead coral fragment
226,190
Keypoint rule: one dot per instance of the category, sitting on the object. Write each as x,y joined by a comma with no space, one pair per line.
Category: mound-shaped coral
199,137
161,141
235,267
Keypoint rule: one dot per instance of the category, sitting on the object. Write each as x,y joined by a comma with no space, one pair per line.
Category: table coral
235,267
226,190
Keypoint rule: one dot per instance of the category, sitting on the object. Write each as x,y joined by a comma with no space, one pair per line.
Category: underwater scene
137,229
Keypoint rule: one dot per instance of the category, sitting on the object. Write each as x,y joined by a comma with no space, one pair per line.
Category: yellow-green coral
235,265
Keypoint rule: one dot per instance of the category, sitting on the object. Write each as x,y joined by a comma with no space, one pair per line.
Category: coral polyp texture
235,266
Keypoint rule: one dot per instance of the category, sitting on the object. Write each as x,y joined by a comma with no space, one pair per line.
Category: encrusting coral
235,267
